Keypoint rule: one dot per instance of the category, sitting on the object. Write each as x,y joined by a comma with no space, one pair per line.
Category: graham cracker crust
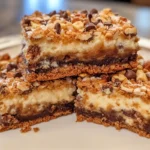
74,70
25,125
104,121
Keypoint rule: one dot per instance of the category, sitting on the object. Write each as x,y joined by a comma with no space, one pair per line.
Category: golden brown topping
104,23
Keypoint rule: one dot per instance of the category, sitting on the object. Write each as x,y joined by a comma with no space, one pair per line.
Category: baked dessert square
68,43
23,104
121,100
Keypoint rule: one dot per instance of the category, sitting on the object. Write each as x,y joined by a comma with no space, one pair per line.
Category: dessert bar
121,100
68,43
23,104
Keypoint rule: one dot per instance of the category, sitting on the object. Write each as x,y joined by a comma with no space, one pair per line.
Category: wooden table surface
11,11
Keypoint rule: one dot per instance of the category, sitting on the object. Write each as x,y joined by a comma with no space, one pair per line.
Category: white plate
65,133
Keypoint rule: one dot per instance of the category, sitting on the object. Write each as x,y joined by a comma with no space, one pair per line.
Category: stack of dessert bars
82,61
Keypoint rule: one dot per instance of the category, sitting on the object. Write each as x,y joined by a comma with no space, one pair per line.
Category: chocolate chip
89,27
57,28
94,11
130,74
84,12
117,82
11,67
90,17
64,15
61,12
107,24
18,74
27,22
133,57
52,13
107,89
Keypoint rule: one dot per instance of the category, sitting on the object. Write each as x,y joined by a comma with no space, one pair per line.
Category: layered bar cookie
68,43
23,104
121,100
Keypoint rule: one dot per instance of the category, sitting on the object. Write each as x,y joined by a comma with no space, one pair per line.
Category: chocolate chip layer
8,121
117,119
48,64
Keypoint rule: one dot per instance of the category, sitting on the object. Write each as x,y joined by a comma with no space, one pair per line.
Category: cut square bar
121,100
67,43
23,104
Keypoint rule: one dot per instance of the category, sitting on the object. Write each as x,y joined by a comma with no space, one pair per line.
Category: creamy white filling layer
37,100
80,48
118,102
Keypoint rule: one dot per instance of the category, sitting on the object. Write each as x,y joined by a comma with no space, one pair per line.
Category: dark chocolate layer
8,119
38,68
113,116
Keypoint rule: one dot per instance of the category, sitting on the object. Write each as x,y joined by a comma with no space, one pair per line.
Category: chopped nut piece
34,25
78,25
120,77
130,31
141,75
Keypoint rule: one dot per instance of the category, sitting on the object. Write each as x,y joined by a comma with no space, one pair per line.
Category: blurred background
11,11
